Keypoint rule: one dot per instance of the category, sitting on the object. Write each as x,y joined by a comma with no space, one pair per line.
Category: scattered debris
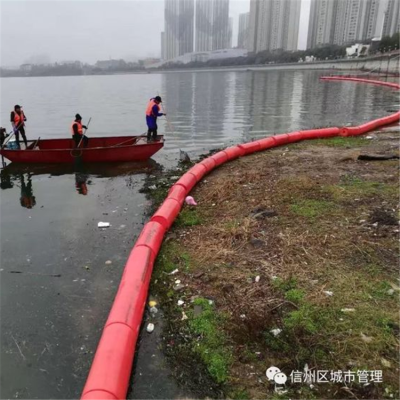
150,327
347,310
190,201
276,331
377,157
103,224
177,282
386,363
153,187
183,156
366,339
184,316
174,272
152,303
328,292
153,310
108,262
178,287
181,303
257,278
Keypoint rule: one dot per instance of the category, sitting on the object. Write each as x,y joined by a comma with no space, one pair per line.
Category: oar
87,126
11,134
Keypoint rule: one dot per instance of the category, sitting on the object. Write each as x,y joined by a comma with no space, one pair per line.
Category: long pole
87,126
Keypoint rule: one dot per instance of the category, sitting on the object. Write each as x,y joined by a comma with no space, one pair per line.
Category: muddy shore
290,259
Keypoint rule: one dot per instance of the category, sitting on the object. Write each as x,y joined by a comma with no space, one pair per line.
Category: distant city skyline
94,30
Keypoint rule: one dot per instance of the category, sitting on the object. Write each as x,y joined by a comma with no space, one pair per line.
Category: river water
57,282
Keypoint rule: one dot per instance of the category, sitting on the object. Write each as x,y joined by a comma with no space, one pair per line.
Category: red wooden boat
99,149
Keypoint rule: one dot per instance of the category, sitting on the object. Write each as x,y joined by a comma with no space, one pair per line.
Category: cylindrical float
167,213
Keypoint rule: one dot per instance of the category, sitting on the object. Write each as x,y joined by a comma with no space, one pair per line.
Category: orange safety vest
149,111
19,119
80,130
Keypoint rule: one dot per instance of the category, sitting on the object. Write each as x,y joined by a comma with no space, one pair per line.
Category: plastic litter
177,282
153,187
190,201
153,310
150,327
276,331
257,278
346,310
184,316
174,271
328,292
103,224
152,303
181,303
108,262
365,338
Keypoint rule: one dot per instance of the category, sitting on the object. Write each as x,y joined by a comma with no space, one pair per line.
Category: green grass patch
212,344
188,217
341,142
312,208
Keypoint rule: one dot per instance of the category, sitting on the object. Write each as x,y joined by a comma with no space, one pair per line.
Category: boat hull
63,151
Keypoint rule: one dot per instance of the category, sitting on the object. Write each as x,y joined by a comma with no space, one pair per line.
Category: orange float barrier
178,193
167,213
267,143
295,137
208,163
111,367
234,152
198,171
128,298
220,158
188,181
153,233
281,139
251,147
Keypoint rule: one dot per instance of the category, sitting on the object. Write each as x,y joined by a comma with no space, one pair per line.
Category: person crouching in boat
18,119
3,135
77,131
152,112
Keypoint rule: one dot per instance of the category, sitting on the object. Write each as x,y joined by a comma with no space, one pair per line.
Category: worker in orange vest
18,119
77,131
152,112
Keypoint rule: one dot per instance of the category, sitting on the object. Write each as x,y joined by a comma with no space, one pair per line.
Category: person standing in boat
18,119
152,112
77,131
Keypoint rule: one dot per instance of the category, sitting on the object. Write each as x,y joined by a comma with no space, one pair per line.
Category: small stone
386,363
366,339
150,327
153,310
178,287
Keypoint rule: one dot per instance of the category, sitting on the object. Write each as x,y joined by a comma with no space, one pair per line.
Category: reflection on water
20,175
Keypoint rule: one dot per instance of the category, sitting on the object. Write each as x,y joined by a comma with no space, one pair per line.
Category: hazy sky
91,30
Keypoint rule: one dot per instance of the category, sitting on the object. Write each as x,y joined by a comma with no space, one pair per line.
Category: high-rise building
162,45
273,24
230,33
212,25
243,30
321,27
179,27
341,21
391,24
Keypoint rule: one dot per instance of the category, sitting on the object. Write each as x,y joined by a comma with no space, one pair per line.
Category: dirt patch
296,251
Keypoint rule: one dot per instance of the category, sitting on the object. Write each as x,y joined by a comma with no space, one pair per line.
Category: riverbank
290,260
